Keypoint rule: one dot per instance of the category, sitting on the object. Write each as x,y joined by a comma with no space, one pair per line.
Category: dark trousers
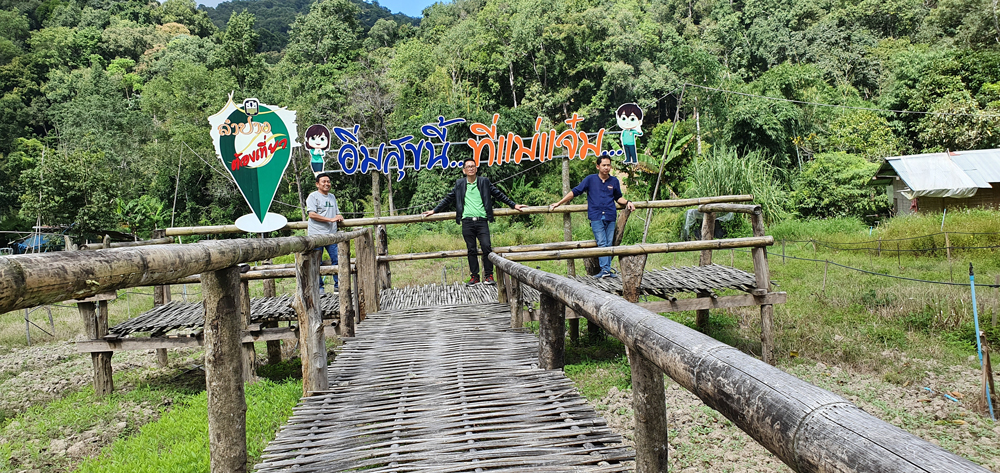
478,229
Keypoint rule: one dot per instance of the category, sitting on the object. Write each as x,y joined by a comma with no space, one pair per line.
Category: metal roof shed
951,174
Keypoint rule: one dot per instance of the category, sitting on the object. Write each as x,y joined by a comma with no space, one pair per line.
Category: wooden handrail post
95,326
632,267
650,408
516,300
227,405
368,293
384,272
346,294
551,332
501,286
161,296
273,346
707,233
312,341
249,351
762,275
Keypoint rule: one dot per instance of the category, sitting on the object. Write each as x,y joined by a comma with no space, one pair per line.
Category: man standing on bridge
603,191
323,217
473,199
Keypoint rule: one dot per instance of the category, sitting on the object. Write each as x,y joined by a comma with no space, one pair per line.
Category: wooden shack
934,182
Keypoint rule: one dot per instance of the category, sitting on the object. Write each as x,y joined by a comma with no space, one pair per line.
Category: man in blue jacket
473,199
603,191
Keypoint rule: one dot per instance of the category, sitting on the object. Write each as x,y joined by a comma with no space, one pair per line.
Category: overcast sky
409,7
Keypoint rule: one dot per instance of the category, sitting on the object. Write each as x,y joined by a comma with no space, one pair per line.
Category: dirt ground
701,439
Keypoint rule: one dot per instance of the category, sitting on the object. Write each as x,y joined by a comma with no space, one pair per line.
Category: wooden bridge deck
444,389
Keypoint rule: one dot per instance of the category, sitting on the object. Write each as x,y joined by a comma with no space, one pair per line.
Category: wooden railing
808,428
30,280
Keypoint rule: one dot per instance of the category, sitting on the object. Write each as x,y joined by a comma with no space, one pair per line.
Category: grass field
859,298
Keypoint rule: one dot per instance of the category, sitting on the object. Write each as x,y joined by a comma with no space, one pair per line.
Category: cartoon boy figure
317,142
629,117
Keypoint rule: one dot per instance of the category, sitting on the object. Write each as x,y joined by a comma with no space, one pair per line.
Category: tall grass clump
723,172
819,229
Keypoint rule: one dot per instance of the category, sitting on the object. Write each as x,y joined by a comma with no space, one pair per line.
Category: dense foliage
103,103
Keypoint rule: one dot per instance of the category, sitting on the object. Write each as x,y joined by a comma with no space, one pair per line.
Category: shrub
836,185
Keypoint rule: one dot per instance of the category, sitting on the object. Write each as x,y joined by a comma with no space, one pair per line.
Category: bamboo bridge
445,378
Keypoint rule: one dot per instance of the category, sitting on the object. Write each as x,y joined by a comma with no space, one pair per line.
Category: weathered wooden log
808,428
368,292
516,299
643,248
346,298
384,271
501,286
128,244
37,279
249,352
707,233
738,208
161,296
227,405
358,222
762,275
632,267
649,406
551,333
270,290
312,342
562,245
95,327
266,275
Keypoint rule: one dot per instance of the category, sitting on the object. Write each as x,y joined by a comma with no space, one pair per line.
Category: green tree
836,185
239,51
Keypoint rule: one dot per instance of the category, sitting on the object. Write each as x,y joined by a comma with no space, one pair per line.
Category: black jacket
486,190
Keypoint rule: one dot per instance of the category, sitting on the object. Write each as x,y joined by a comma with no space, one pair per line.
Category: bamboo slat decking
177,315
444,389
663,283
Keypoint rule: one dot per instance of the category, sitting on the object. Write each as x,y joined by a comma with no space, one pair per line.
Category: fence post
516,300
384,272
501,285
161,296
649,405
227,405
632,267
346,295
368,293
95,326
249,352
312,342
273,346
551,332
762,275
707,233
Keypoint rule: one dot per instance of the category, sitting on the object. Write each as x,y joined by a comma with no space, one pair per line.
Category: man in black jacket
474,210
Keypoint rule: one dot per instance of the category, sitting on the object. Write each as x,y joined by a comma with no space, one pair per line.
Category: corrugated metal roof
950,174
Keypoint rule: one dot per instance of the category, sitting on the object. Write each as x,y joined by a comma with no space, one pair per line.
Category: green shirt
473,201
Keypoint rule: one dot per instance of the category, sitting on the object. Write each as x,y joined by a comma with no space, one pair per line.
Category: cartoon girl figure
317,142
629,117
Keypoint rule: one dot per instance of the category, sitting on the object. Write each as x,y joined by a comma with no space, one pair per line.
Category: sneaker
600,275
489,280
611,275
473,280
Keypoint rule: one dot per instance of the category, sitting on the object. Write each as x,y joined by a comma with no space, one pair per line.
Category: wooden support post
227,406
346,294
384,272
516,300
249,351
273,346
650,408
762,275
620,227
501,285
161,296
551,332
707,233
592,265
632,267
95,326
312,342
368,294
997,282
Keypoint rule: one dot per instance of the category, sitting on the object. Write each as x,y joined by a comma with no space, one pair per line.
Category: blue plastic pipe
979,346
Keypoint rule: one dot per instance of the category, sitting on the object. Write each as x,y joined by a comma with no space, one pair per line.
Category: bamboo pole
707,234
357,222
157,240
223,375
38,279
643,248
738,208
806,427
762,275
502,250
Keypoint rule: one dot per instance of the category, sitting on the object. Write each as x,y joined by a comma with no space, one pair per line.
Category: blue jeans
332,251
604,233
